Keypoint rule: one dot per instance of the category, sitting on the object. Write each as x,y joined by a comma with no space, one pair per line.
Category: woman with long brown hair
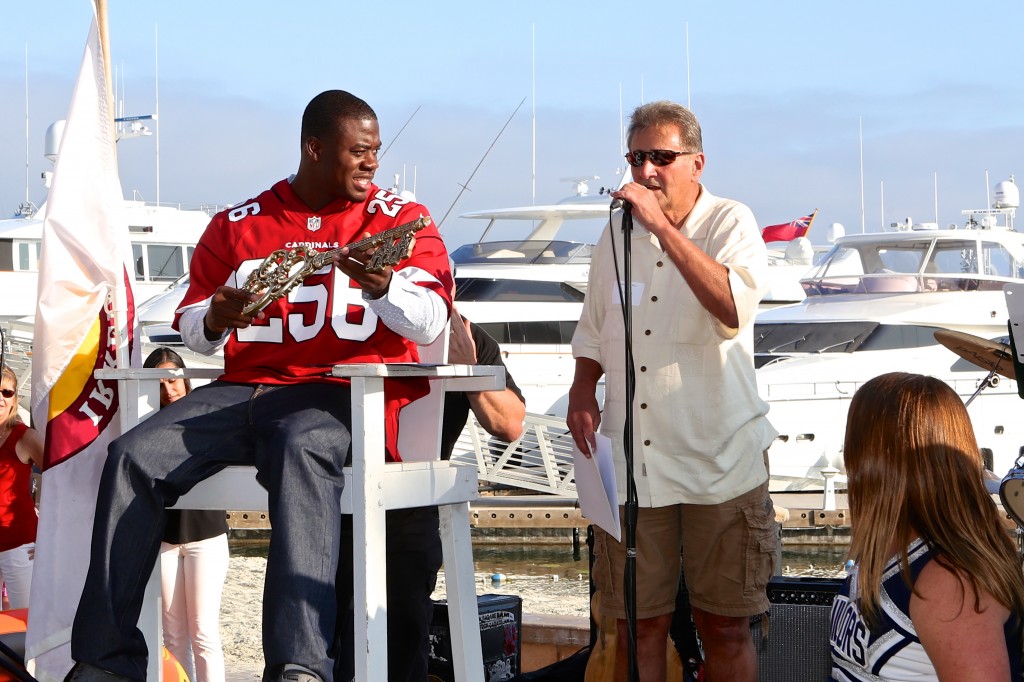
936,591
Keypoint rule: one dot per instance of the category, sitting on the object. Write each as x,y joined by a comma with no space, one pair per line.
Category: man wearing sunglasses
700,435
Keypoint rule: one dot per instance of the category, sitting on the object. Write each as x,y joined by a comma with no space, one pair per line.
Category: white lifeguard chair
371,487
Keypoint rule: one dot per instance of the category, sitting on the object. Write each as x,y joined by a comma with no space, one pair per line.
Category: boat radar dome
51,143
1007,195
835,231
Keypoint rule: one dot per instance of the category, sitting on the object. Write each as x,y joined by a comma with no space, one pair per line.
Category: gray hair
667,113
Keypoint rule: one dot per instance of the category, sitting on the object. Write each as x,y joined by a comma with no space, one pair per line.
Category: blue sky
780,88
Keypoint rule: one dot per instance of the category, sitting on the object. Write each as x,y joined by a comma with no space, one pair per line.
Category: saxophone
284,269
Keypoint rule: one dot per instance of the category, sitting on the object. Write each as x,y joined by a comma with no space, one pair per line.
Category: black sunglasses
7,393
659,157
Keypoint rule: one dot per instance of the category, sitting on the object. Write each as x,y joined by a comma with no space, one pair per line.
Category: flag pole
119,294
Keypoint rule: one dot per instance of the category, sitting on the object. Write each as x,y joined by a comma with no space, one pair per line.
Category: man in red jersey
276,405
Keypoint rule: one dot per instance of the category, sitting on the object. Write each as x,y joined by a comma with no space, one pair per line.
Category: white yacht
872,307
528,292
162,237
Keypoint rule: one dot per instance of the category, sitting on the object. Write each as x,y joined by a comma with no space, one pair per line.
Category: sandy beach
242,607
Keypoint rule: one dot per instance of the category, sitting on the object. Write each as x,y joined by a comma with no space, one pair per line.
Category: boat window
140,262
480,289
808,337
548,332
904,260
28,255
158,262
955,257
893,336
841,260
165,262
522,251
838,337
998,262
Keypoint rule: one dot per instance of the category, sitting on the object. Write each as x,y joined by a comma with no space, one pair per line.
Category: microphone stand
631,507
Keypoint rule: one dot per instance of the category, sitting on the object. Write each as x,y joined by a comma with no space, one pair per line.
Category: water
551,560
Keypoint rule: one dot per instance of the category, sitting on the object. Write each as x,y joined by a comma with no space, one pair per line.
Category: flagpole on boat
156,116
687,25
860,135
881,190
533,97
27,196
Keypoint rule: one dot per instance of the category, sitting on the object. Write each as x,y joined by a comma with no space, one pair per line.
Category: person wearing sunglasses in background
20,447
700,435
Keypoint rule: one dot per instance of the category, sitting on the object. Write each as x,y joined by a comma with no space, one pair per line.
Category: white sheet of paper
595,486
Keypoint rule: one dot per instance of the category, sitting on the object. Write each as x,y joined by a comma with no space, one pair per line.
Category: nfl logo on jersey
313,223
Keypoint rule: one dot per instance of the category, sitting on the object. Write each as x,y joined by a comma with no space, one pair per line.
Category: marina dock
545,519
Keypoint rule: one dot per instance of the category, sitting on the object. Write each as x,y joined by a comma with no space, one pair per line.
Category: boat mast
156,80
687,25
533,125
860,132
27,197
881,187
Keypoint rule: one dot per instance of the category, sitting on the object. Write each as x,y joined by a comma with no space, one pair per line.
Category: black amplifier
501,621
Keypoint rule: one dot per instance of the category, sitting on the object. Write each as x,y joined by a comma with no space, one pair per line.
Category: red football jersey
324,321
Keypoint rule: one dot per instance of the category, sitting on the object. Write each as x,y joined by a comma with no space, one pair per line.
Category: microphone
621,203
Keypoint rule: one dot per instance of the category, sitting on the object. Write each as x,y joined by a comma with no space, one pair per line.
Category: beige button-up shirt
699,425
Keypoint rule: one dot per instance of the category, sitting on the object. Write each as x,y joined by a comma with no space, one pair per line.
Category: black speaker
794,646
501,620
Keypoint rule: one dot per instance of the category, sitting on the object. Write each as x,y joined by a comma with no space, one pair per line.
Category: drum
1011,493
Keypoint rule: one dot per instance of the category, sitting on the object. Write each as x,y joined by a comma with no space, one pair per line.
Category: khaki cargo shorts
728,554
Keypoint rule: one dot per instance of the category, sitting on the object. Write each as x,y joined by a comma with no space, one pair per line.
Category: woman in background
193,565
937,591
20,447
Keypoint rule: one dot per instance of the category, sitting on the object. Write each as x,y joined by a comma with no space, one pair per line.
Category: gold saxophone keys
284,269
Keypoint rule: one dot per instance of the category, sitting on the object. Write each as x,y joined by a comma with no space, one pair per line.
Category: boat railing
540,460
894,283
209,209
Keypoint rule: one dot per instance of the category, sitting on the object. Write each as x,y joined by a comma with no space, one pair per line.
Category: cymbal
989,355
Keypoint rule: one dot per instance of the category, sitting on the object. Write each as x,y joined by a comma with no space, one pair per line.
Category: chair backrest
419,423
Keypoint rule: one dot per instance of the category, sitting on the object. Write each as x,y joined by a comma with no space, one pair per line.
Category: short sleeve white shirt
700,427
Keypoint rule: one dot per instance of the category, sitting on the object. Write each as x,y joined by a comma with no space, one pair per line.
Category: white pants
16,574
192,579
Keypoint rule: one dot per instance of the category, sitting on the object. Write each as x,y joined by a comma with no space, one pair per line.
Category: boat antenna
533,102
687,24
27,197
465,185
399,132
860,134
156,116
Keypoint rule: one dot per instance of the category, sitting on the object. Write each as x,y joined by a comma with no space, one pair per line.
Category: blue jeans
298,438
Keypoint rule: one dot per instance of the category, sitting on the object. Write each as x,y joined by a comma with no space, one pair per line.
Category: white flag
84,321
